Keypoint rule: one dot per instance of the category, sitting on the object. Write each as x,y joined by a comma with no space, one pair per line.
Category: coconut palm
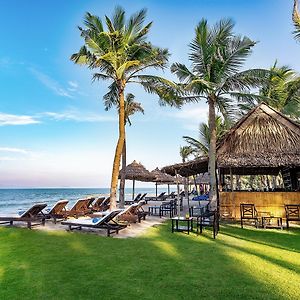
185,152
281,91
296,21
216,56
119,53
201,146
131,107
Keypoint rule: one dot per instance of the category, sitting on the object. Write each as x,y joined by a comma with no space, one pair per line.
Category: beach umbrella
136,171
162,178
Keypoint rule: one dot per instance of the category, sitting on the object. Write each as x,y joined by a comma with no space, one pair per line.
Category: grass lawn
240,264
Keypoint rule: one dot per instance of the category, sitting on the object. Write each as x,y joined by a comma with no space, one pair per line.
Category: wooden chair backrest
59,207
137,197
292,210
98,202
248,211
34,210
144,195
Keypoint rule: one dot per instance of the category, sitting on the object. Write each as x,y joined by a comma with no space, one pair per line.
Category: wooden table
188,224
267,222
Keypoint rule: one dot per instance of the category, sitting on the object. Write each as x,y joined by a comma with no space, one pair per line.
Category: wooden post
232,195
133,185
156,190
168,189
178,198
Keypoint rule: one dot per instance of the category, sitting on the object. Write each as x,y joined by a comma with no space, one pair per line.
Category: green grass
240,264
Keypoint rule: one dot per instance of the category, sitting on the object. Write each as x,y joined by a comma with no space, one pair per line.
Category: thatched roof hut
264,141
136,171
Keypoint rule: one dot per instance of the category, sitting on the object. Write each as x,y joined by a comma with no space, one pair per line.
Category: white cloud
50,83
14,150
78,116
190,115
9,119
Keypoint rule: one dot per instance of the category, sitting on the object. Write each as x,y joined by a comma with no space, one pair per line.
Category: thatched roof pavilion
136,171
264,141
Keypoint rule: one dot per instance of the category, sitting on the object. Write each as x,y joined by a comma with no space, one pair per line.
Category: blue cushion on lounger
95,220
21,212
201,197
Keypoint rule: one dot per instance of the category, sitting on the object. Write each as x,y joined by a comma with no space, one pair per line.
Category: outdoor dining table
177,224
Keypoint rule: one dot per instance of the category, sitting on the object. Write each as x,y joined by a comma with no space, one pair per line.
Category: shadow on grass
158,265
286,240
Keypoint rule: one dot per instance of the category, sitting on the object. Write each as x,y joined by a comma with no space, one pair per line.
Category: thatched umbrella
136,171
162,178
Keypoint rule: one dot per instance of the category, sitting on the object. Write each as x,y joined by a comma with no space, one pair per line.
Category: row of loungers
96,215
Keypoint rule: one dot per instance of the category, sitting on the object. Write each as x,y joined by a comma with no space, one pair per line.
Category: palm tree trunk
123,175
212,153
119,149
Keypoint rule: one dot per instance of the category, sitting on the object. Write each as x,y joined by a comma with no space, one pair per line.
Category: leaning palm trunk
123,175
212,154
119,149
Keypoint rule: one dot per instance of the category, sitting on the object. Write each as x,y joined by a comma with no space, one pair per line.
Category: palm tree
201,146
185,152
131,107
281,91
217,55
296,21
119,53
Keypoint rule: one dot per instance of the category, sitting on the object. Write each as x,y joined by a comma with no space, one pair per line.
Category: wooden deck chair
78,209
158,198
106,222
141,213
101,205
33,216
97,203
58,211
129,214
135,200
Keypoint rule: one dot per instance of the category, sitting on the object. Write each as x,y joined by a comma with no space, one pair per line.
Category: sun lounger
101,204
80,208
106,222
135,200
33,216
58,211
158,198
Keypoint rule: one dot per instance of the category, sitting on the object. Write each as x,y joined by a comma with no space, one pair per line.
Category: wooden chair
208,219
248,212
101,204
58,211
292,212
33,216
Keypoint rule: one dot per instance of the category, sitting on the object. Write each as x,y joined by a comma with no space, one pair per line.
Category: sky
54,131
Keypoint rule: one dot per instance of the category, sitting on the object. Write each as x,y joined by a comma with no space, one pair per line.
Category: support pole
178,199
168,189
156,190
231,194
133,186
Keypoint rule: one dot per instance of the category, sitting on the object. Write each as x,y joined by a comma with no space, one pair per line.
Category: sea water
13,200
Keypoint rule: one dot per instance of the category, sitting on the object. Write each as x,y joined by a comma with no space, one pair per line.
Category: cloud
191,116
18,154
50,83
73,86
14,150
77,116
8,119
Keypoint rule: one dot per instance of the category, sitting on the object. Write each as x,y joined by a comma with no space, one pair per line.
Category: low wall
272,202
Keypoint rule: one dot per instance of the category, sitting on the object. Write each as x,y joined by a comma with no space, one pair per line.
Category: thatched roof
264,138
161,177
136,171
192,167
262,142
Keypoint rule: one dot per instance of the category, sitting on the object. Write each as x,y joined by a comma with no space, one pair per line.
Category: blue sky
53,127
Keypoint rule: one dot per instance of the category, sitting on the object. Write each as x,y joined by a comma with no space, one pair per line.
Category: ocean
13,200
